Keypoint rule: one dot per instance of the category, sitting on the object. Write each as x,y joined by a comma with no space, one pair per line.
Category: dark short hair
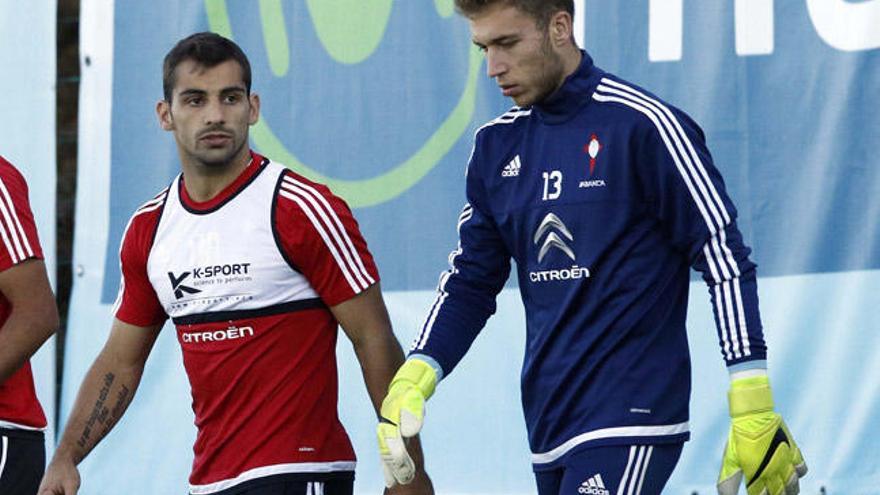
540,10
206,49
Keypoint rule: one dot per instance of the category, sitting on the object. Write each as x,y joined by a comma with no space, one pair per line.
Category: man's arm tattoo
103,417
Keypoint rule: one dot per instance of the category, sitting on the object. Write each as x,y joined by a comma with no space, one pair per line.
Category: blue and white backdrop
379,99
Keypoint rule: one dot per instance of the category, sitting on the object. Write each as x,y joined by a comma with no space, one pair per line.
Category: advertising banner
380,100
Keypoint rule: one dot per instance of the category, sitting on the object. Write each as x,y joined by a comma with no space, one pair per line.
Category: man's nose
495,63
214,113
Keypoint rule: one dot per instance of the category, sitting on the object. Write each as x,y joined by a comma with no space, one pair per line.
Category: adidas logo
594,486
512,168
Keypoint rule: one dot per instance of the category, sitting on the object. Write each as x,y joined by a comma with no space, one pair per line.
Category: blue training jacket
604,196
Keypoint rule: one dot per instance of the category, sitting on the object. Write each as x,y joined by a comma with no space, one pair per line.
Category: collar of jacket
575,93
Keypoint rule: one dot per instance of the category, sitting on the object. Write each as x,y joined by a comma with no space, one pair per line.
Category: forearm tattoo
104,416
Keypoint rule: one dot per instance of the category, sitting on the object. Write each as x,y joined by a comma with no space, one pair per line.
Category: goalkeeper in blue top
604,196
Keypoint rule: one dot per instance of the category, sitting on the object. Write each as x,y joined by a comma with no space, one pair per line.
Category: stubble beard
548,75
223,162
551,72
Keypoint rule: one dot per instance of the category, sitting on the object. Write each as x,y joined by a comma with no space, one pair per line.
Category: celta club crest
592,148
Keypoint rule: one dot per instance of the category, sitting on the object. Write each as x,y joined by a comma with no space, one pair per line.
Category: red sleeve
321,239
137,302
18,232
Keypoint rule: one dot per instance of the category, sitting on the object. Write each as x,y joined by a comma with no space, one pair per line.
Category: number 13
554,180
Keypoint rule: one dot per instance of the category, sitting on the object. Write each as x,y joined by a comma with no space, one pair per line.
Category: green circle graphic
342,24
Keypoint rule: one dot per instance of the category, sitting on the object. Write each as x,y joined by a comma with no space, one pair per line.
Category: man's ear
561,28
255,108
163,111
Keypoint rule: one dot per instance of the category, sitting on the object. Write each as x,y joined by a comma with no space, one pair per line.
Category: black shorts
339,483
22,461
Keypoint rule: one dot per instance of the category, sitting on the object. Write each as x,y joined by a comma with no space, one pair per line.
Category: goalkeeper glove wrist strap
749,396
418,372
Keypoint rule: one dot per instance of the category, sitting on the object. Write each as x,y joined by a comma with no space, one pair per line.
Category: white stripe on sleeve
703,176
719,257
10,234
9,247
422,339
17,223
334,226
320,229
743,331
153,204
731,318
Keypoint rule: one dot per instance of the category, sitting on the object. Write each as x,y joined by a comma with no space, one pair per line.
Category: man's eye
194,101
231,99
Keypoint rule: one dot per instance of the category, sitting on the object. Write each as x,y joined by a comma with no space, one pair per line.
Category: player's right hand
61,478
401,416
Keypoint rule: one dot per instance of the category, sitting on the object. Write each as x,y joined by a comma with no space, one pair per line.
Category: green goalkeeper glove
401,415
759,445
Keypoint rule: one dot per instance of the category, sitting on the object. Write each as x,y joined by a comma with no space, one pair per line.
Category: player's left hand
759,445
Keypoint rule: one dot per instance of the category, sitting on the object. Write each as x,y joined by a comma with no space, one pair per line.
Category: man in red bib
255,266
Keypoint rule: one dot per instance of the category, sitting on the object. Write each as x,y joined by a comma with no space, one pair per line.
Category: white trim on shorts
604,433
3,451
264,471
634,476
17,426
315,488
